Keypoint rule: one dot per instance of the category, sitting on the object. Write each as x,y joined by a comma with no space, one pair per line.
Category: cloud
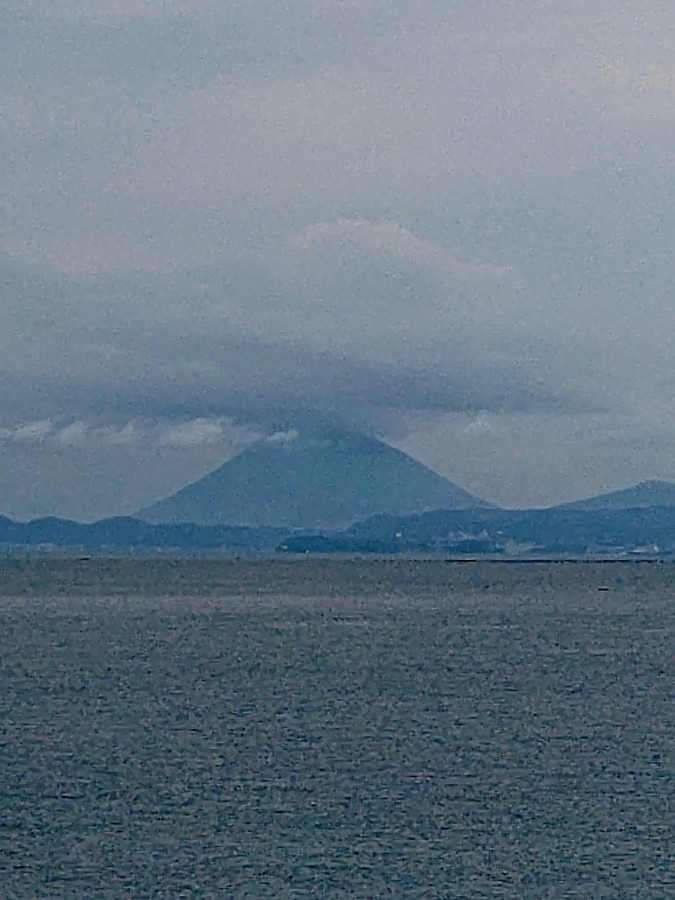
200,432
177,434
236,120
73,435
370,212
283,437
352,321
27,433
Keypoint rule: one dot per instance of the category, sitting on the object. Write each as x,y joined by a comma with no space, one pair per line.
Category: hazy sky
450,223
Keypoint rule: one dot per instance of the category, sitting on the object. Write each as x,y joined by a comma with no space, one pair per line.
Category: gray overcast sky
449,223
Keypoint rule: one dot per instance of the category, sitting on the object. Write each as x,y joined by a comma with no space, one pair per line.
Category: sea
336,728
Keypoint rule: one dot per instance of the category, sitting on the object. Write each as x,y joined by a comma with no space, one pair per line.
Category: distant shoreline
228,555
272,578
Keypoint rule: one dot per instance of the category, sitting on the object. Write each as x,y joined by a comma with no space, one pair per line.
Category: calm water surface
336,730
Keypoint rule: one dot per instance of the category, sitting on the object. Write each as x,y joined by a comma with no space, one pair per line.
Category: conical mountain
639,496
321,479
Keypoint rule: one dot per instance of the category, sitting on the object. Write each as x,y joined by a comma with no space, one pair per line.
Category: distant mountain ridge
321,479
638,496
548,532
553,532
125,534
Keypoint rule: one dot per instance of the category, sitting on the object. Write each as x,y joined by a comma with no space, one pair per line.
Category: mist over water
336,728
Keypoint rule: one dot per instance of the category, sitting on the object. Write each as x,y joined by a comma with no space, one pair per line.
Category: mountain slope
639,496
323,479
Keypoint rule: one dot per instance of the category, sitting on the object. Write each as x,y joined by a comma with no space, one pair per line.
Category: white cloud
283,437
196,432
27,433
174,434
74,435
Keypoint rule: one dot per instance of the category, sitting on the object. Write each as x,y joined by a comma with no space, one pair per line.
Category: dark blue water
416,742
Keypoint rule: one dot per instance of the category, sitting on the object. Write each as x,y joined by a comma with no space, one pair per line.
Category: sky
449,224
